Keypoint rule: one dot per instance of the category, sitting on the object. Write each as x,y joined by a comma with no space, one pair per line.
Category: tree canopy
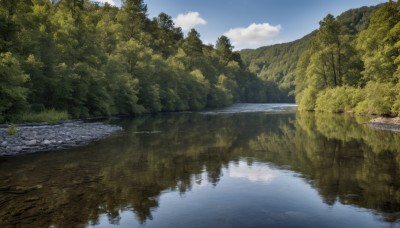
92,59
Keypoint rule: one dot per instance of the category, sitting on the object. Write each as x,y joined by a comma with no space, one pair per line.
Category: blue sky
251,23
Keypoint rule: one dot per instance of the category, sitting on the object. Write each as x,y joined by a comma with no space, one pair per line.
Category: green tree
224,49
378,44
12,90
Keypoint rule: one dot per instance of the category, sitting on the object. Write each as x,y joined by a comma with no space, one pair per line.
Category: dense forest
90,59
350,64
350,71
83,58
277,63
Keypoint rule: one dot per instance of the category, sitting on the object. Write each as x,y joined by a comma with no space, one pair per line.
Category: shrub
50,116
396,105
331,100
307,99
12,130
339,99
379,99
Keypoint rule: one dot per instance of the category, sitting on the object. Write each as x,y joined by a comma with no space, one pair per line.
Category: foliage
94,59
12,92
12,130
337,77
277,63
49,116
339,99
324,59
379,99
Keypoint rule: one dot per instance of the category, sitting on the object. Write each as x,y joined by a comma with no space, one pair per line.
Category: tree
133,19
192,44
12,90
224,49
167,36
379,44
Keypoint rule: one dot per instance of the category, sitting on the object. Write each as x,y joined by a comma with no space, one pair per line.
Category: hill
277,63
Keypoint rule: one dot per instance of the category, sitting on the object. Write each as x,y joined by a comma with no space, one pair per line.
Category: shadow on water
344,161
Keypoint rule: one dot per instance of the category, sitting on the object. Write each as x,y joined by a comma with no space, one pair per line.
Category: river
249,165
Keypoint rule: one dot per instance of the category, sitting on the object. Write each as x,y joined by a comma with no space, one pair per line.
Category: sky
250,23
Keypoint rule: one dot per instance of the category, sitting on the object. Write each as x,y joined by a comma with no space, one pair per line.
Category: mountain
277,63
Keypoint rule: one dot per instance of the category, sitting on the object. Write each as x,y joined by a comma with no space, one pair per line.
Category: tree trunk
334,69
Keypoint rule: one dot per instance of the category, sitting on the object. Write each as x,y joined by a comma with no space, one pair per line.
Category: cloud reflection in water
257,172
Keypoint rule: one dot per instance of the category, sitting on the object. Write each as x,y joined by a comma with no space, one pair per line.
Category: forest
358,72
78,58
350,64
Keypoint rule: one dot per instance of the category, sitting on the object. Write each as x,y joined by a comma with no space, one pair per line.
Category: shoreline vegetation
35,137
85,59
62,60
351,63
358,71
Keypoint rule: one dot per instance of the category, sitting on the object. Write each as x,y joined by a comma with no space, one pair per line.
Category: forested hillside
277,63
89,59
348,71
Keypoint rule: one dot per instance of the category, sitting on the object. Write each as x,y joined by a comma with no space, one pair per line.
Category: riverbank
45,137
385,123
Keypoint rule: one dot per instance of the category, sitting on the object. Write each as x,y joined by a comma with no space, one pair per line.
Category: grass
49,116
12,130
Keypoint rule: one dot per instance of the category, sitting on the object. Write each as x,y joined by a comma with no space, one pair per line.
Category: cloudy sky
250,23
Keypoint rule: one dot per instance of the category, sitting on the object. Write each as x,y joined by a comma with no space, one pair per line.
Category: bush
50,116
331,100
396,105
12,130
339,99
353,97
306,99
379,99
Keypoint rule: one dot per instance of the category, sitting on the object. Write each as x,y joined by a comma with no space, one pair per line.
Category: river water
249,165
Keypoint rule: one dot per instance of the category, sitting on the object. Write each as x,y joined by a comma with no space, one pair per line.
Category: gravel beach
386,123
45,137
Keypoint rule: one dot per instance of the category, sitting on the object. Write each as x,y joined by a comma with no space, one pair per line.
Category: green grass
12,130
49,116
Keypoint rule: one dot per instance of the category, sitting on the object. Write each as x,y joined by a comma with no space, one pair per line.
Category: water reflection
253,172
347,163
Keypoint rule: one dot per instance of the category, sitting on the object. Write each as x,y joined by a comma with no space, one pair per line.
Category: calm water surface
244,166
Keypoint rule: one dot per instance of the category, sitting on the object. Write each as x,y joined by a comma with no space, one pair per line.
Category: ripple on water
248,108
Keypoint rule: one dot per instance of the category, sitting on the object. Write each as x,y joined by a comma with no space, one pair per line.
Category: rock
34,138
31,142
385,123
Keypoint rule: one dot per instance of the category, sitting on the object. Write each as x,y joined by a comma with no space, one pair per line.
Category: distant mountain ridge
277,63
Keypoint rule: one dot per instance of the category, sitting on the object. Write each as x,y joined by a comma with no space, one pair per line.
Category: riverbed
249,165
34,138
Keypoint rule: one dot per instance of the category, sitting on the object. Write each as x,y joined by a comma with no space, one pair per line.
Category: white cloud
189,20
111,2
254,173
253,35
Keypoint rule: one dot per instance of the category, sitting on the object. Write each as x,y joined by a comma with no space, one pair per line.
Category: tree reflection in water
343,160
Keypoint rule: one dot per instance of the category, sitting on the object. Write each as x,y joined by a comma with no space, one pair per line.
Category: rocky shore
45,137
385,123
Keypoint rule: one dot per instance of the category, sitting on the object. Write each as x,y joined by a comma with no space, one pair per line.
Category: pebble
31,139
